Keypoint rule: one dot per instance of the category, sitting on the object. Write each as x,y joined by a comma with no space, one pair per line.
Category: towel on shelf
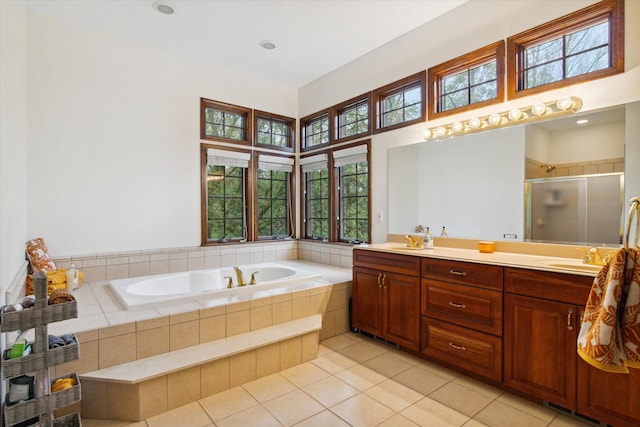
609,337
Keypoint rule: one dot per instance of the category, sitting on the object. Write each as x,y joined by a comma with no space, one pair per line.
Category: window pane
543,53
392,102
454,100
392,118
412,96
413,112
483,73
455,82
543,74
264,126
588,38
484,92
587,62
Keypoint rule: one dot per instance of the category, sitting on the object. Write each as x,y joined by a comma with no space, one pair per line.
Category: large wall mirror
558,181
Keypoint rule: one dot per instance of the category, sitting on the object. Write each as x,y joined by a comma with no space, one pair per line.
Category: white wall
13,140
471,26
589,143
114,161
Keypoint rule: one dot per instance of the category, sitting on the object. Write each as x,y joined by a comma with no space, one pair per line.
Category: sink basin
406,248
585,267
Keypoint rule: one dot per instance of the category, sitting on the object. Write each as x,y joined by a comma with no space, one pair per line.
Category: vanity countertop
505,259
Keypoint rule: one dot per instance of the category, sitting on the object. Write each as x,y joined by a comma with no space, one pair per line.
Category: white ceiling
313,37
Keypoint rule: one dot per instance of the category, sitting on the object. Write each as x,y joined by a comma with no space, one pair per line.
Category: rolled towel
68,339
55,342
60,295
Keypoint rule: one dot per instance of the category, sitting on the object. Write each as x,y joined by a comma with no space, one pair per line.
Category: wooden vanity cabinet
541,325
461,315
386,296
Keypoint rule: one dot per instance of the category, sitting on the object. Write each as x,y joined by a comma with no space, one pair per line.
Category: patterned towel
609,336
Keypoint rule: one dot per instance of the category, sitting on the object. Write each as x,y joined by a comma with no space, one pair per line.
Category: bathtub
199,284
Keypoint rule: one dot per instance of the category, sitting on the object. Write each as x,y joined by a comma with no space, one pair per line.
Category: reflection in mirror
473,184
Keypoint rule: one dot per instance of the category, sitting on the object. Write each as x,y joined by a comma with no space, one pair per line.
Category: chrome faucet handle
253,278
230,282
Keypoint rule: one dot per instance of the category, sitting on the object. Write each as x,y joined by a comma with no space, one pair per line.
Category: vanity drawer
476,308
402,264
561,287
466,273
472,351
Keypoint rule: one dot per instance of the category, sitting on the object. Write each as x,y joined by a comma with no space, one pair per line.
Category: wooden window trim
336,110
250,175
461,63
247,112
254,231
418,79
303,201
303,125
290,121
611,9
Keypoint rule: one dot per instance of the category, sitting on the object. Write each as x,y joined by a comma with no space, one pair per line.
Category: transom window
400,103
581,46
352,118
469,81
315,130
273,131
220,121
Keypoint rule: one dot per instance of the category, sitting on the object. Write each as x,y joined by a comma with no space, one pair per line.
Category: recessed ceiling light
163,7
582,121
265,44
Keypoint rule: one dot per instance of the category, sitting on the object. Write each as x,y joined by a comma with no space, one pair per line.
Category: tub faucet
239,276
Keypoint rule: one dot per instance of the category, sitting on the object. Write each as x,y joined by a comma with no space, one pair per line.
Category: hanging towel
609,337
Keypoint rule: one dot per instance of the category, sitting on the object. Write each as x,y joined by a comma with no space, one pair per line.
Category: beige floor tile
527,406
304,374
90,422
562,420
362,351
339,341
293,407
498,414
406,357
460,398
397,421
361,410
334,362
387,365
269,387
439,370
191,415
421,380
323,350
254,416
330,391
479,386
474,423
428,412
226,403
361,377
394,395
323,419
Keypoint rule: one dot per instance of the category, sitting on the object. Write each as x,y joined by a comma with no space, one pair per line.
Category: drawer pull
456,305
457,347
379,277
569,318
458,273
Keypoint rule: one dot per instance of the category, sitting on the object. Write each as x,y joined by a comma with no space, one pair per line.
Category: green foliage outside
317,132
224,124
354,120
354,201
225,212
401,107
273,132
317,208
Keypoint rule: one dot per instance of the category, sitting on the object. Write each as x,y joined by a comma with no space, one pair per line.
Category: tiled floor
356,381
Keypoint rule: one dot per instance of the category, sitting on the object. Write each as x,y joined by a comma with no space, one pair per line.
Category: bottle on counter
444,232
428,239
73,281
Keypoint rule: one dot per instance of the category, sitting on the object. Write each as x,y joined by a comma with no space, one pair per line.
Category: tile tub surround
109,335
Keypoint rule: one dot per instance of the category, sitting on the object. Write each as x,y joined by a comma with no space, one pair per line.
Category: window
469,81
400,103
352,167
585,45
224,212
315,130
274,131
274,214
352,118
224,122
315,176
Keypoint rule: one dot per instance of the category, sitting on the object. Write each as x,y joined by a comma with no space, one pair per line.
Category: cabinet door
401,310
540,348
611,398
367,300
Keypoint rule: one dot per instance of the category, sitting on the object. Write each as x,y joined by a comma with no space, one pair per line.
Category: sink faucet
414,241
593,256
239,276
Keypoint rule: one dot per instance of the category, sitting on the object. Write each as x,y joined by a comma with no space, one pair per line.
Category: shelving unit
44,403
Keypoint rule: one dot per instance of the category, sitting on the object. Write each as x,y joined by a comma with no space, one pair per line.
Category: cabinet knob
569,319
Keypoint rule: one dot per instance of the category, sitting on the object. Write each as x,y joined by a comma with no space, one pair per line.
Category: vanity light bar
540,111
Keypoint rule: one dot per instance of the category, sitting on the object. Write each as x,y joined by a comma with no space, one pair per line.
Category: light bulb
440,131
564,104
426,134
474,123
515,114
494,119
539,109
457,127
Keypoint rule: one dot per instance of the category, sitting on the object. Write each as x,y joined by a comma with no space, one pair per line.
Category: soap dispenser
444,232
428,240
